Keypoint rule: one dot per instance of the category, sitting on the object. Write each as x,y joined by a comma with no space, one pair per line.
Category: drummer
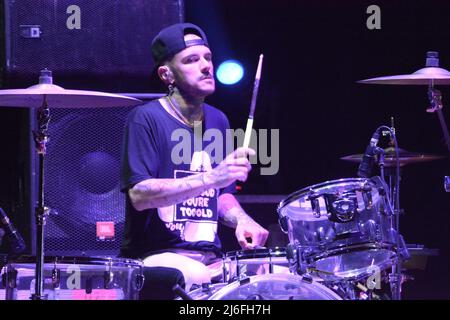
174,206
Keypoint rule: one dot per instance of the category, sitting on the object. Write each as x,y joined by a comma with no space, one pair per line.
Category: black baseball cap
170,40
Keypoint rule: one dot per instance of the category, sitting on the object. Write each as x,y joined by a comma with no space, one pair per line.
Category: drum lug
11,278
307,278
301,261
139,282
108,279
56,277
3,279
244,280
367,196
108,276
207,287
88,289
282,221
315,205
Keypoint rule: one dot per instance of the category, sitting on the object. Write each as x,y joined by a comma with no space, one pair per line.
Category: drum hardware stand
345,289
367,293
10,282
181,292
41,139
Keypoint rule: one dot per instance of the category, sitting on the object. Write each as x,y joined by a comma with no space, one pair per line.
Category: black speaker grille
82,173
110,51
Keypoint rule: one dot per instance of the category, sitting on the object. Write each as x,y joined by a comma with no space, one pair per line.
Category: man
174,206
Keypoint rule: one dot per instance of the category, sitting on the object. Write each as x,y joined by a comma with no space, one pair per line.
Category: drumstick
248,129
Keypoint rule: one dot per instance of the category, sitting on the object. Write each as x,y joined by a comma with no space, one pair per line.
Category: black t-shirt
156,145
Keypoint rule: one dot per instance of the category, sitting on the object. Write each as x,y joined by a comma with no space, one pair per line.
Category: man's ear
165,74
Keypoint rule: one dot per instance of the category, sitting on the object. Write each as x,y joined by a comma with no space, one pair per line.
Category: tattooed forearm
231,212
154,193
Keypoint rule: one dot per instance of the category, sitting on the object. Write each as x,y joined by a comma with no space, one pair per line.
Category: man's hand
250,234
235,166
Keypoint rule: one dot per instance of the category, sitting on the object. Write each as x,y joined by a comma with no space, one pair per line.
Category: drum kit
343,234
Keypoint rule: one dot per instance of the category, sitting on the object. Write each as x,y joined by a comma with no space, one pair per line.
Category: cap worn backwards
170,41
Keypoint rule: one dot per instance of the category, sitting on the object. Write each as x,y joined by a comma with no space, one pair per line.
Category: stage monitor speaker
82,182
88,44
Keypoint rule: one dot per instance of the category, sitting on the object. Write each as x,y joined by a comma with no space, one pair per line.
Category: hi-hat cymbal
405,157
58,97
424,76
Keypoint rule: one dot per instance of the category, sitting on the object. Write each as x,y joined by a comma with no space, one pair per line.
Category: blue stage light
230,72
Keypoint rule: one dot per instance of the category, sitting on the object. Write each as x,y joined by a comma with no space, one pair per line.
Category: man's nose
206,65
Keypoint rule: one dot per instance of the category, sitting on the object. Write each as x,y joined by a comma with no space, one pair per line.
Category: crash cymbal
424,76
58,97
406,157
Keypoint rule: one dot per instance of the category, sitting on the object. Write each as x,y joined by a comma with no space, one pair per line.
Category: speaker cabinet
82,174
88,44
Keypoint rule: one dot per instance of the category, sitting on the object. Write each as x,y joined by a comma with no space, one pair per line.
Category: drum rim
255,253
280,277
295,195
360,247
61,259
214,287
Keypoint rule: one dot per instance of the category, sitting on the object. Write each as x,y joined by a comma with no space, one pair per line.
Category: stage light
230,72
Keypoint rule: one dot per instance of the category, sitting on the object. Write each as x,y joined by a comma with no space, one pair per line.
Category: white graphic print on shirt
195,218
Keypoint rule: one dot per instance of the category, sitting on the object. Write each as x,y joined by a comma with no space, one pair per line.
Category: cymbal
424,76
405,157
58,97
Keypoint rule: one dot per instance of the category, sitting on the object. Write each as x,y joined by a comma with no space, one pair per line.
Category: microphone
16,241
366,165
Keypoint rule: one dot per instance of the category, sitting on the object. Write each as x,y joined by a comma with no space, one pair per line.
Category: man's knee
197,276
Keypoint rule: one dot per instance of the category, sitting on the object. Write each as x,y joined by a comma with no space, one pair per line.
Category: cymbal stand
41,138
435,98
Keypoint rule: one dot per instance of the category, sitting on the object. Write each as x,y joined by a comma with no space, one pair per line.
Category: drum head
275,287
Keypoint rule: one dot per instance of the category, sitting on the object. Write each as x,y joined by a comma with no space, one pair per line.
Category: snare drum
74,278
341,229
275,287
242,263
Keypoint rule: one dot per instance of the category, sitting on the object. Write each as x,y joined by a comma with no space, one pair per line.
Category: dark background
314,52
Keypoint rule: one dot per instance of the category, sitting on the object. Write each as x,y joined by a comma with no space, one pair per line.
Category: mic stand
395,278
41,138
381,153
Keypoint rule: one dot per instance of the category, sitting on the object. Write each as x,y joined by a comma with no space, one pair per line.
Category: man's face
193,70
